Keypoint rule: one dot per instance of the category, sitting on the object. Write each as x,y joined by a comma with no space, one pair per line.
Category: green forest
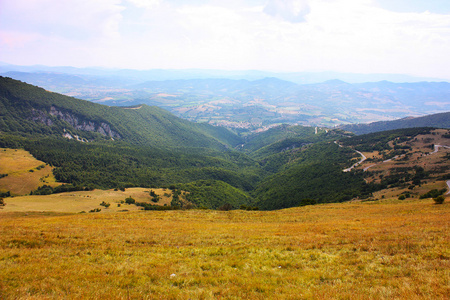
96,146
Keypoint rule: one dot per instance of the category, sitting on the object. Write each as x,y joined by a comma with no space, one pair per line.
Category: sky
358,36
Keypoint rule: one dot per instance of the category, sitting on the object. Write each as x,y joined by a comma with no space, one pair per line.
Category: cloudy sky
361,36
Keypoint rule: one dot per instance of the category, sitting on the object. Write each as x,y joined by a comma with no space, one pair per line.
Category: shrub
245,207
106,205
130,200
307,201
2,202
439,199
401,197
226,207
433,193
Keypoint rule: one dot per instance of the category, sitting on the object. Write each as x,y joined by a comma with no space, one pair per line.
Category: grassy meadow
84,201
362,250
25,173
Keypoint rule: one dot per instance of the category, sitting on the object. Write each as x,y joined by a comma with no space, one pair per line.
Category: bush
106,205
130,200
226,207
439,199
307,201
245,207
401,197
5,195
2,202
433,193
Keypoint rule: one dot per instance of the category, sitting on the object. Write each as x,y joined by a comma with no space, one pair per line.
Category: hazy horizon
345,36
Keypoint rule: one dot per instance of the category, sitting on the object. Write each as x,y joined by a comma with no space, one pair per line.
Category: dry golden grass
25,173
376,250
75,202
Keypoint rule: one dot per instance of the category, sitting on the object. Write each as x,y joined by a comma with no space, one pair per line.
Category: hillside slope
30,110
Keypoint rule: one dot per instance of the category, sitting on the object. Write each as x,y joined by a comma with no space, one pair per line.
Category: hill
441,120
28,109
308,176
408,162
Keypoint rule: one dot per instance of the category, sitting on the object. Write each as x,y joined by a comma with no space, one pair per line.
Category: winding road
436,148
363,158
448,183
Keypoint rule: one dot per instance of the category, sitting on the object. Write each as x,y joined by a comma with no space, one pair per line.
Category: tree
439,199
130,200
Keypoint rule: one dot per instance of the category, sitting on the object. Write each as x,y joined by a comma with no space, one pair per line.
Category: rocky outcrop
41,117
75,121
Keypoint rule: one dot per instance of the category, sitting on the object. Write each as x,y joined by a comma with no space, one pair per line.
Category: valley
146,147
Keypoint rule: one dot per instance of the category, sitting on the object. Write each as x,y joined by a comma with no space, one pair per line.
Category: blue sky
360,36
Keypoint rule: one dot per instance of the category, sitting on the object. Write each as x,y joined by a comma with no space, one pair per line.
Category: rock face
77,123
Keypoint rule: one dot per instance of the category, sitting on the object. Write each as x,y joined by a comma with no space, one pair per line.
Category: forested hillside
313,174
96,146
28,109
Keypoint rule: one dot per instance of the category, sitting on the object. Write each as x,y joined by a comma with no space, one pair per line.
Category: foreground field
378,250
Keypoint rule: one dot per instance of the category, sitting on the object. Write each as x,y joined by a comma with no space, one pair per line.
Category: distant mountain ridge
249,102
173,74
441,120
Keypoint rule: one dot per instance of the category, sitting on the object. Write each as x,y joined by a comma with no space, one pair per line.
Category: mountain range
172,74
91,145
248,103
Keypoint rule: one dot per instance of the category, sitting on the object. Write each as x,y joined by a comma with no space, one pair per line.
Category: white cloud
294,35
81,19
